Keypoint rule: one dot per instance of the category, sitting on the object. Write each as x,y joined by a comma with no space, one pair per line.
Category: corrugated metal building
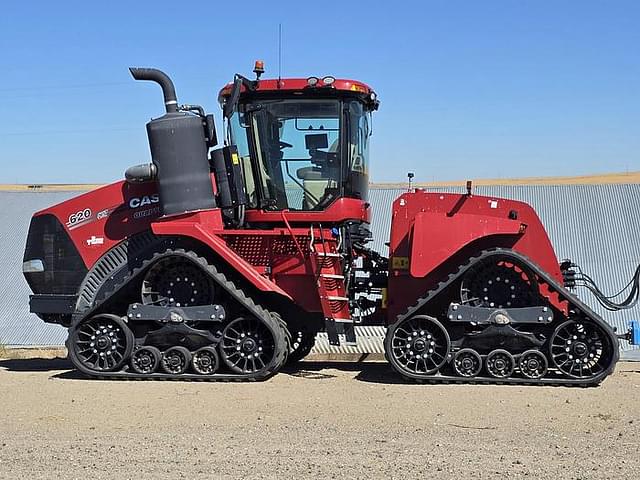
598,226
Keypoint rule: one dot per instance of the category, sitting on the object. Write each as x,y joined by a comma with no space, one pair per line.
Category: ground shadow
35,364
72,375
372,372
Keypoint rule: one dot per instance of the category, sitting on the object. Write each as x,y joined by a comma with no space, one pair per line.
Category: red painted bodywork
341,210
268,258
111,219
430,233
433,232
297,84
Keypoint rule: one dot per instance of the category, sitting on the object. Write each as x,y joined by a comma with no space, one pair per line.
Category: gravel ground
325,420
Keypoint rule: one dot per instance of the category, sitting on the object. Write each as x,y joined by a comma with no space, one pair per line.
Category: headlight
31,266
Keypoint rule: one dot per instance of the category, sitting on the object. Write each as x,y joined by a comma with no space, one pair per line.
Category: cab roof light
328,80
258,68
358,88
312,81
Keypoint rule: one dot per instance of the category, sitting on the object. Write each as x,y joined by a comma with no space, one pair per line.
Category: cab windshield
302,154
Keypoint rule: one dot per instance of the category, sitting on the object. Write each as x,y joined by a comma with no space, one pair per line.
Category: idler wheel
467,363
581,349
247,346
146,360
102,343
533,364
500,363
176,360
418,345
205,361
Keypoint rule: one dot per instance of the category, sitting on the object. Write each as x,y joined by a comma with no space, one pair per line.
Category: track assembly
500,303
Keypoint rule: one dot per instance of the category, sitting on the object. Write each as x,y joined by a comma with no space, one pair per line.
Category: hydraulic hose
607,301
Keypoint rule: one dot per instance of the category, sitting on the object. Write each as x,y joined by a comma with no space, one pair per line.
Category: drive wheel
176,360
500,283
417,346
145,360
500,363
102,343
177,282
580,349
248,346
467,363
533,364
205,361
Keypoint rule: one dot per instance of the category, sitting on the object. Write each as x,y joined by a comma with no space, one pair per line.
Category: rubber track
575,303
236,293
114,263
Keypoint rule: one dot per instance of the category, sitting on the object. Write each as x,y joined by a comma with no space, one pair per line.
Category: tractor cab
302,143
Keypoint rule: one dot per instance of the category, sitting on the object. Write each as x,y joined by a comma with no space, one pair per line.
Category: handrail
295,240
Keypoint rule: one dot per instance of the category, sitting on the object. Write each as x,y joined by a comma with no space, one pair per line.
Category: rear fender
428,229
435,237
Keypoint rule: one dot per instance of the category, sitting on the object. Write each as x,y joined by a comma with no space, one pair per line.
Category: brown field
607,178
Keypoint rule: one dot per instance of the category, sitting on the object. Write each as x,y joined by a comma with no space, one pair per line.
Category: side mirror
210,131
232,101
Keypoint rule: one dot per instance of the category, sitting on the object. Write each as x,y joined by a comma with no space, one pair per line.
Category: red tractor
224,263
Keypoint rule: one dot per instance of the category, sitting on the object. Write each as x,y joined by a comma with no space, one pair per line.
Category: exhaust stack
162,79
178,151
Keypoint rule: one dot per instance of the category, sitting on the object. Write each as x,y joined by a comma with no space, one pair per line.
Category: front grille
64,269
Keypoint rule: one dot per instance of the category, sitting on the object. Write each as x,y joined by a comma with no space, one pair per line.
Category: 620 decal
75,219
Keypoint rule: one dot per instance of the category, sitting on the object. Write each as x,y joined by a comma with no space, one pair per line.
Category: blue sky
469,89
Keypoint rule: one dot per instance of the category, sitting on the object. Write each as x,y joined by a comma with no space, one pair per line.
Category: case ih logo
137,202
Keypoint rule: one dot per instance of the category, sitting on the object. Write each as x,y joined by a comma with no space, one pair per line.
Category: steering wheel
284,145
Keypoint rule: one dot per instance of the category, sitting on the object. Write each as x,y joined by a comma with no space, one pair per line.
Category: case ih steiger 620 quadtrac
223,264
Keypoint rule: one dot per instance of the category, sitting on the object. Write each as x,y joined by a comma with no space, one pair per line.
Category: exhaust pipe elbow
162,79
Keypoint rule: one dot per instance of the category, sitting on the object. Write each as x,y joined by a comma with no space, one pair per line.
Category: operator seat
315,184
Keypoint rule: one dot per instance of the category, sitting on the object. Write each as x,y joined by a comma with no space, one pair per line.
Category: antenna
279,53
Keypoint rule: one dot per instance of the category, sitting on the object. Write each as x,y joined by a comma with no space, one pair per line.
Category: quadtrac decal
102,214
